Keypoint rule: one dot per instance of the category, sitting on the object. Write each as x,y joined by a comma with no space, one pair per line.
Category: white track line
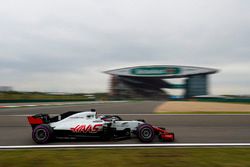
128,145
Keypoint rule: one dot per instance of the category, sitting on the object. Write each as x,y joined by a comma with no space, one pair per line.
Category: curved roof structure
161,71
151,82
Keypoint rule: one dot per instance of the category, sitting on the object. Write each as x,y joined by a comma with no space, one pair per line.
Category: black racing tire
42,134
145,133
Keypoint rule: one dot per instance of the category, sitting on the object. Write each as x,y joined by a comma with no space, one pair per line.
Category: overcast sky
65,45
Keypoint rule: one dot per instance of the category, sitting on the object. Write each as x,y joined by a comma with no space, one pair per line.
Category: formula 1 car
79,124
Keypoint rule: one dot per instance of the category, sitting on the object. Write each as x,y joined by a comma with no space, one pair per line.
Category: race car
86,124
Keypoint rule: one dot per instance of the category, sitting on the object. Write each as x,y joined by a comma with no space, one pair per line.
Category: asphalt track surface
15,129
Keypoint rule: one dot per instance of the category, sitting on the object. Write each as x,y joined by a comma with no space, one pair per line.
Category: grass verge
14,97
174,157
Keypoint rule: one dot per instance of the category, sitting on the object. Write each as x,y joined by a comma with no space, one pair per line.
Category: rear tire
42,134
145,133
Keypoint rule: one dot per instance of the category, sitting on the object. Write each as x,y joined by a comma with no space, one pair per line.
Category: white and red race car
78,124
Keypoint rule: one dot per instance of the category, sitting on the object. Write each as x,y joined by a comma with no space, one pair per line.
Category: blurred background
64,48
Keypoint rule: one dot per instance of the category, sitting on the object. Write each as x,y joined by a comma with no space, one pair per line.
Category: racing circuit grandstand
149,82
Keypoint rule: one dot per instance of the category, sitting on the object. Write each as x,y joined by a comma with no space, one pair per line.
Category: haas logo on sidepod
86,128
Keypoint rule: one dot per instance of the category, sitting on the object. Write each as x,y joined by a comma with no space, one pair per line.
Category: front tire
145,133
42,134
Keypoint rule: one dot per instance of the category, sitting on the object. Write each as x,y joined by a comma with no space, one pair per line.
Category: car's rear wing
38,119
